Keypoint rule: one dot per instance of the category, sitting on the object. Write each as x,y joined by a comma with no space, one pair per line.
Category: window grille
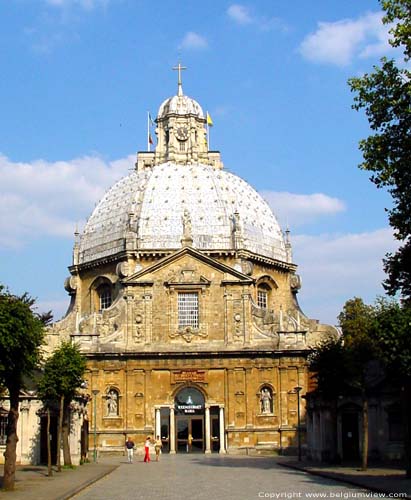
182,146
262,299
3,427
105,298
187,309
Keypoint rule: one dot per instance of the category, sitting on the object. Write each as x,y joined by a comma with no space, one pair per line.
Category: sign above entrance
189,376
189,401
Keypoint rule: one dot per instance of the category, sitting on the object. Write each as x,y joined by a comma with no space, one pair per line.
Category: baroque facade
183,299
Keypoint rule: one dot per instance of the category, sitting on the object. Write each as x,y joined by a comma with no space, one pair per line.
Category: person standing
130,450
189,443
157,447
147,449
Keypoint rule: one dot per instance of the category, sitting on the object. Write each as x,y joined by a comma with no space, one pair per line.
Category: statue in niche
112,403
187,227
266,399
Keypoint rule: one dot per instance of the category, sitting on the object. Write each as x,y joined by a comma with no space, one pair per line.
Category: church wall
234,383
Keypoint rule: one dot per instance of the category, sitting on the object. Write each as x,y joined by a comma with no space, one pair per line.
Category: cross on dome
179,68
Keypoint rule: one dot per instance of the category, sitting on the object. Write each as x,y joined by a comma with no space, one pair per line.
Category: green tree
21,337
327,363
393,334
357,323
385,96
341,365
62,377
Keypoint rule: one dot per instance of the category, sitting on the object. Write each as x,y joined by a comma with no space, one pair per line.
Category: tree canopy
385,96
21,338
63,373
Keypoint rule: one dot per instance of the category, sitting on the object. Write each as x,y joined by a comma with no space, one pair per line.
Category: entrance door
189,434
349,429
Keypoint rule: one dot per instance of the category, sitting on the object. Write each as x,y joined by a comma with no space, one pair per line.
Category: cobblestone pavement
215,477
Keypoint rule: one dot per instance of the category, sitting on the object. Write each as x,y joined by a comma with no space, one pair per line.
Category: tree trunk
364,458
65,435
12,439
49,469
59,431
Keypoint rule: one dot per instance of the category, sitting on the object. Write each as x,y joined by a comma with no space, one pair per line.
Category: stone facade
183,299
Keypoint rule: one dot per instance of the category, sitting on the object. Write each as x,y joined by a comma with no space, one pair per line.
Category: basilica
184,302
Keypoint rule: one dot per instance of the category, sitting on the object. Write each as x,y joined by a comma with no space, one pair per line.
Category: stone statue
187,227
112,404
265,399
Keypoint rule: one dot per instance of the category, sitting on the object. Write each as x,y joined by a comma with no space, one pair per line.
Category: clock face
182,133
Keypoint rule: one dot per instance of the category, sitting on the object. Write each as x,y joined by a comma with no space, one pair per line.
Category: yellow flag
209,120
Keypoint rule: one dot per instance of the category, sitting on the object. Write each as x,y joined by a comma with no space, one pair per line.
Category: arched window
101,294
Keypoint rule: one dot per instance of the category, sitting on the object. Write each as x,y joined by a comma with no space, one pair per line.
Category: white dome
180,105
158,198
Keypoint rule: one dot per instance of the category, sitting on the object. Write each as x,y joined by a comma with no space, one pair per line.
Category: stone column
157,423
207,430
222,430
24,443
172,435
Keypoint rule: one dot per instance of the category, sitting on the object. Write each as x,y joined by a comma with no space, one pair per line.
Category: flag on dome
150,139
151,119
209,120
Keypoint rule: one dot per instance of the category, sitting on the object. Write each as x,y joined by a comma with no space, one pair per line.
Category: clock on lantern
182,133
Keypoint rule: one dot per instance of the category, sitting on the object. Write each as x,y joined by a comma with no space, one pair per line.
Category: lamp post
297,390
95,392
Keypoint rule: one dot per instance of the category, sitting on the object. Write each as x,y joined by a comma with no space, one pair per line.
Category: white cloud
335,268
242,15
44,198
84,4
297,209
193,41
340,42
239,14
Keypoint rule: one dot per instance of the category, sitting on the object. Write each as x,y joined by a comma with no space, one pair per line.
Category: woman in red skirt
147,449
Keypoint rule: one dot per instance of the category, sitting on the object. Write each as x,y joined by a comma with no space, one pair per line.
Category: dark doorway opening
350,435
53,439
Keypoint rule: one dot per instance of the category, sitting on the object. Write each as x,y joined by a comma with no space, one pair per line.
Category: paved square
215,477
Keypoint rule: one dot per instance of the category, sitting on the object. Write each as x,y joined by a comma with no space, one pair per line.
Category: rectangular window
105,298
188,309
182,146
3,427
262,299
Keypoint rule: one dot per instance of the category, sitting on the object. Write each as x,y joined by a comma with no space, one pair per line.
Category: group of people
130,446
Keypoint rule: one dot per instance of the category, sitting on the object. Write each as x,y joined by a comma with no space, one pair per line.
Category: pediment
188,265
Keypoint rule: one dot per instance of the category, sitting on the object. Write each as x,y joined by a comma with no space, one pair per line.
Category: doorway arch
189,408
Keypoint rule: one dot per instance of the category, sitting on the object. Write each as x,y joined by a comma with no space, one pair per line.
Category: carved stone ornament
70,284
122,269
188,334
295,282
247,267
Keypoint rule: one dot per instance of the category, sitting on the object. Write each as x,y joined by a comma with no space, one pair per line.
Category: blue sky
78,77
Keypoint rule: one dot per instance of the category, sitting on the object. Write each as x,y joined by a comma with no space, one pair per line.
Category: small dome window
263,293
105,296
